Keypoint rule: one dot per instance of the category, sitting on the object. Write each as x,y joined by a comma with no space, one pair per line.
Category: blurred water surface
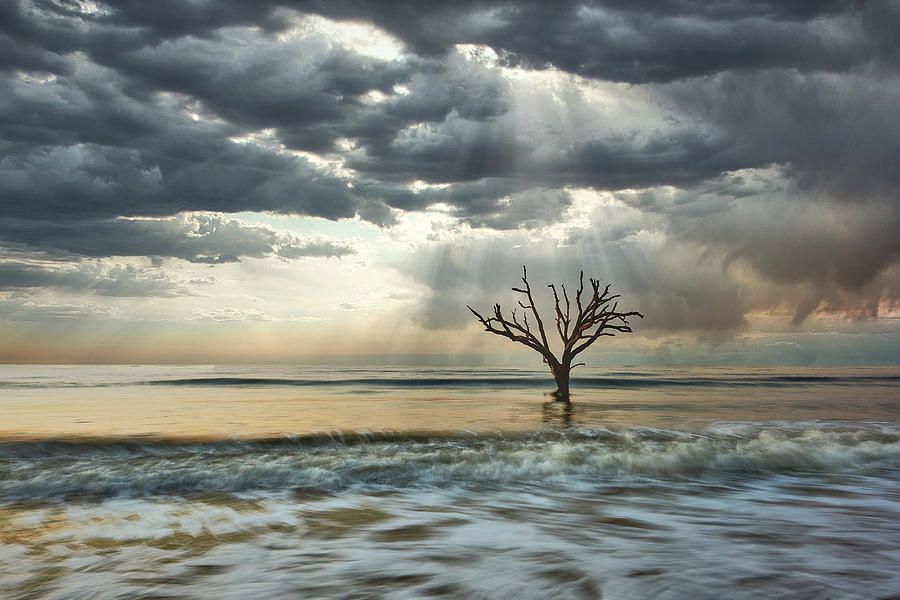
236,482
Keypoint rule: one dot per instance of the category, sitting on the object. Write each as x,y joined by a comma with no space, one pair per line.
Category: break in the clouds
723,163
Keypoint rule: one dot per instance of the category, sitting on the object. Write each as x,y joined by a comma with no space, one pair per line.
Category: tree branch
598,316
537,316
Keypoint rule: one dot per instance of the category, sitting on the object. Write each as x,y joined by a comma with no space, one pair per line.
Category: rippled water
254,482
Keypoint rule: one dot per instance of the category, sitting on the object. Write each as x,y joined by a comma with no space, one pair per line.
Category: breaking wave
134,468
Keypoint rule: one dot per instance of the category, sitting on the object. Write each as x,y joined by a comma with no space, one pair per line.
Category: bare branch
598,316
605,323
562,325
534,311
580,291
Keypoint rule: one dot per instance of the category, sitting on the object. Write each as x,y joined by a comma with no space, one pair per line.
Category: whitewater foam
132,468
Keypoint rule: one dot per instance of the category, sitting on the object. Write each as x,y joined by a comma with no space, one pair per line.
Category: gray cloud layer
152,109
198,237
117,280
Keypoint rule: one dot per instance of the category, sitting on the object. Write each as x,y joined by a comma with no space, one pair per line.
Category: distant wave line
529,380
486,382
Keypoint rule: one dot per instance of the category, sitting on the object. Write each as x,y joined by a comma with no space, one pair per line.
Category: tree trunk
561,375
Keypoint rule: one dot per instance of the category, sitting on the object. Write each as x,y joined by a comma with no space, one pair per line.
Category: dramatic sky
201,181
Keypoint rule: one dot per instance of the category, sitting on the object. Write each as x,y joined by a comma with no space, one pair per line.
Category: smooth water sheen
245,482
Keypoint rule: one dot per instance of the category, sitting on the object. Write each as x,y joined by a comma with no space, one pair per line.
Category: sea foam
386,460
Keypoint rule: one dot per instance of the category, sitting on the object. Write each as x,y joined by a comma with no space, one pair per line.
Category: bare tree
597,316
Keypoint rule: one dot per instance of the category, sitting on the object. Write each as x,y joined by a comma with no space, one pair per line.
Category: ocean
414,482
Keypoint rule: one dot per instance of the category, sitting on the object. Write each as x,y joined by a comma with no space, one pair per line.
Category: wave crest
60,469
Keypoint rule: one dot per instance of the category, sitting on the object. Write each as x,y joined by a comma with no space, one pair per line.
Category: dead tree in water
597,316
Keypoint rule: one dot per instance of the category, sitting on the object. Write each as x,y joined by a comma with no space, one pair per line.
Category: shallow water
241,482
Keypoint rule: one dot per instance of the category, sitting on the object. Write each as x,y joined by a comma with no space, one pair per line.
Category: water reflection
557,413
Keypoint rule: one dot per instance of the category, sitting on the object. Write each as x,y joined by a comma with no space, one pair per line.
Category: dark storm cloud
462,151
831,220
120,134
820,230
97,142
309,89
837,251
80,147
312,92
90,181
152,109
14,55
809,252
840,133
635,42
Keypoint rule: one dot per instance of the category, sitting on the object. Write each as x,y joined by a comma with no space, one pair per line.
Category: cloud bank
717,161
